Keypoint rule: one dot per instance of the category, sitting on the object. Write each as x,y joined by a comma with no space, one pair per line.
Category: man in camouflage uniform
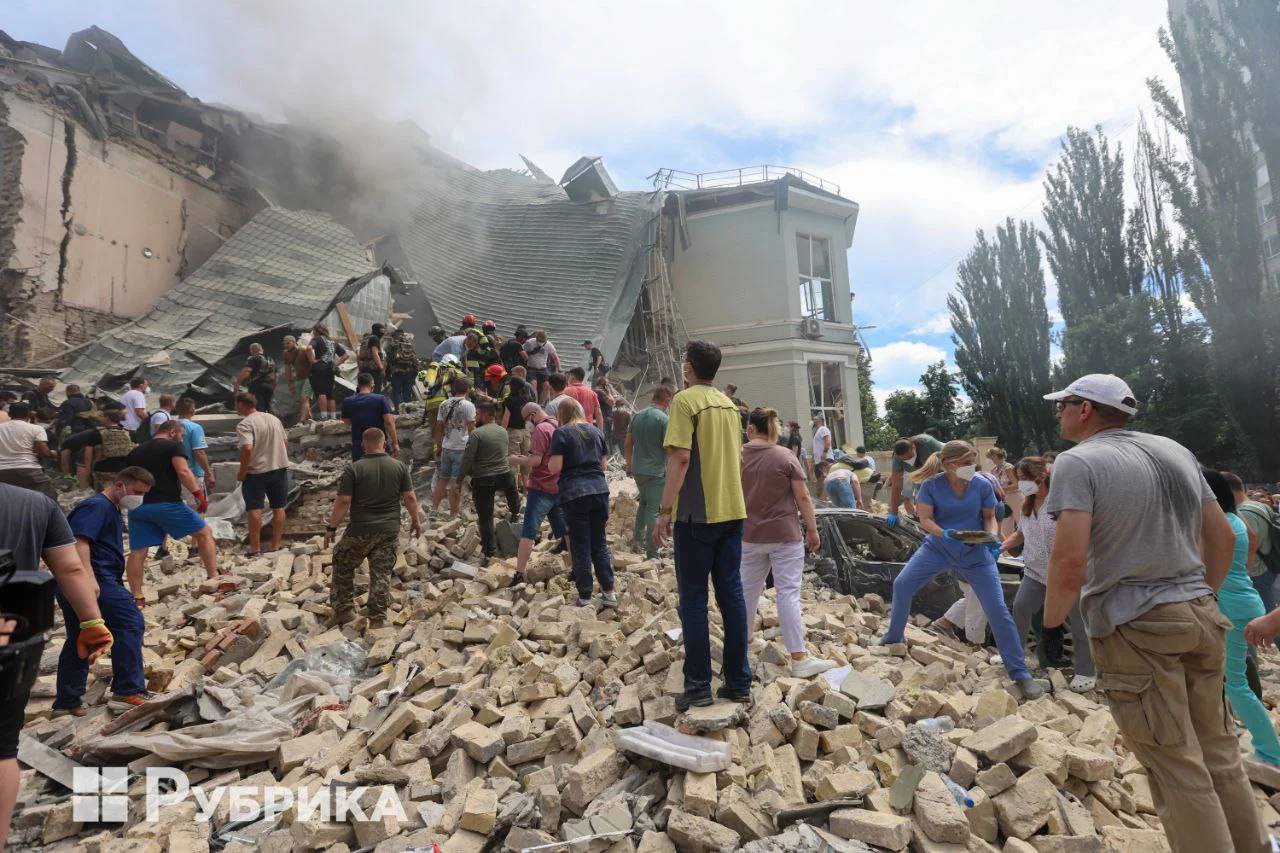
372,490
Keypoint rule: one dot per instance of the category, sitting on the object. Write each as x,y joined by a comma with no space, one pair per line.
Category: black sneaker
698,699
742,697
517,580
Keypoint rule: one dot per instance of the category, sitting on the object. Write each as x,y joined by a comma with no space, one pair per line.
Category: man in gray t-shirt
1144,544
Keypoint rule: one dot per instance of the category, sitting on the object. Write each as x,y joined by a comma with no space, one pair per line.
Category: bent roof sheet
515,250
283,267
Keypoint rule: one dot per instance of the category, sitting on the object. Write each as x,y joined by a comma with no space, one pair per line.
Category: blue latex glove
950,533
994,548
891,520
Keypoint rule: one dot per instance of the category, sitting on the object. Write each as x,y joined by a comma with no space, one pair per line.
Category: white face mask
966,472
131,501
1028,488
910,460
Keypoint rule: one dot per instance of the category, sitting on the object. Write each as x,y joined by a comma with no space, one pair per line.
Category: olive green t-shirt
486,453
375,485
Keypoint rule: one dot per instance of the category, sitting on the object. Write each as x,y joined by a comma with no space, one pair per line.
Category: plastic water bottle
961,795
937,725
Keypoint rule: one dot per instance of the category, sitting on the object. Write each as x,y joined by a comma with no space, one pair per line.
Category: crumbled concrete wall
94,227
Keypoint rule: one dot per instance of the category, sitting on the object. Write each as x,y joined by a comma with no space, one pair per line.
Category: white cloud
899,364
938,324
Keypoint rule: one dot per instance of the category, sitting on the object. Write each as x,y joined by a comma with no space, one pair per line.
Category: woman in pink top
774,486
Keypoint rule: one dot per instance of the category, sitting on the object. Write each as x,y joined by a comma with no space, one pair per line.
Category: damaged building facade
125,201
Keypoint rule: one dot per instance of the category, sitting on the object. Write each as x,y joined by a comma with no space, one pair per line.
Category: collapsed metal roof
284,269
517,249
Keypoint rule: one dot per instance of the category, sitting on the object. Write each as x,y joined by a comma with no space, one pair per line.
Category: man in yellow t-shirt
703,495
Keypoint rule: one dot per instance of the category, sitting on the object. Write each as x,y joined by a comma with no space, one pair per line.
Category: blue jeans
711,551
401,388
840,492
587,543
537,506
126,625
976,566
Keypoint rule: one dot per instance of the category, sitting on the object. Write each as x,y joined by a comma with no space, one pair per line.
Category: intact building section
765,275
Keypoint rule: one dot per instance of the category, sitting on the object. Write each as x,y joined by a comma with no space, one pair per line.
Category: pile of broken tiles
508,719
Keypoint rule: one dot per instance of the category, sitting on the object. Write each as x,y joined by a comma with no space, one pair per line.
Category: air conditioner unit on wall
811,327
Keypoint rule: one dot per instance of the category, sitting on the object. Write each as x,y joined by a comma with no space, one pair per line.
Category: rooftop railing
676,179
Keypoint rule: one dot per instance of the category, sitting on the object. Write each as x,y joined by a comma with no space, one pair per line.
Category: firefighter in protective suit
436,378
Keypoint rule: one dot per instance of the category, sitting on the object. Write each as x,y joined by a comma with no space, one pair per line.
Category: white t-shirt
540,354
158,417
133,399
455,414
553,405
17,444
821,434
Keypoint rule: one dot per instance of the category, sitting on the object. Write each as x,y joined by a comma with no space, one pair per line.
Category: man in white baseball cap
1144,544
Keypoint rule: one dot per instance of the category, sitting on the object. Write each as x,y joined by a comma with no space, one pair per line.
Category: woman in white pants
774,485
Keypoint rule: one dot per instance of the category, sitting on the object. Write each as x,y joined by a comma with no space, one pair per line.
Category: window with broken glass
813,258
826,396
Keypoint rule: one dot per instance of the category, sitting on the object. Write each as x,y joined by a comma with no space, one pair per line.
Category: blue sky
938,118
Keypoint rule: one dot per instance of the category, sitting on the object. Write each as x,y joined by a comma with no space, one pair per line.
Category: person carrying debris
454,423
369,358
108,443
162,512
264,470
647,465
485,461
543,361
323,357
775,488
596,365
909,454
543,498
258,376
578,455
365,409
297,372
1144,545
371,489
703,443
403,365
98,526
23,443
951,499
33,528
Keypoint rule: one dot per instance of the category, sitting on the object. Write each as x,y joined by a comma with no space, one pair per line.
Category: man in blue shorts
98,526
162,512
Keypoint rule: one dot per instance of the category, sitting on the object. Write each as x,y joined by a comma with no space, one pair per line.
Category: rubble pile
512,719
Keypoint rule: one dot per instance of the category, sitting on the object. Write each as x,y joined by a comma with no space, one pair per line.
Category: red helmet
490,326
495,372
469,320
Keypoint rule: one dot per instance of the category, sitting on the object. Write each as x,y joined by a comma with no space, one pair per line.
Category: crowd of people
1161,572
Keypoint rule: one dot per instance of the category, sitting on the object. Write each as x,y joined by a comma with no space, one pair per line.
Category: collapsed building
123,201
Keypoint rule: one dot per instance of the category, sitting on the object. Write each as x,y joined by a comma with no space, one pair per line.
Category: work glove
891,520
1053,642
950,533
994,548
202,502
94,640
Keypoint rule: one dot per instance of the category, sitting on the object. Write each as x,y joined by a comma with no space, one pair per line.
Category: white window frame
812,287
833,413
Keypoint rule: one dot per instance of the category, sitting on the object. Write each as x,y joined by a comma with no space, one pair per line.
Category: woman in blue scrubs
951,498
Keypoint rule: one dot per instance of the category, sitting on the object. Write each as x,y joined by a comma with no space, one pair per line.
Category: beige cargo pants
1162,675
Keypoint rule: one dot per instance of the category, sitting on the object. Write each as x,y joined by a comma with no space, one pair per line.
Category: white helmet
450,358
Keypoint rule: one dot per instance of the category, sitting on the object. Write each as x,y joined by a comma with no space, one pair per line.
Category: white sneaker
1083,683
809,667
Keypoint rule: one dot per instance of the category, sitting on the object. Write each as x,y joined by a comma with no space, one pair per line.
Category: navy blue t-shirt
97,520
364,411
582,446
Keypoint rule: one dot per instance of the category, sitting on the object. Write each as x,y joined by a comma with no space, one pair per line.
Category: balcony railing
676,179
